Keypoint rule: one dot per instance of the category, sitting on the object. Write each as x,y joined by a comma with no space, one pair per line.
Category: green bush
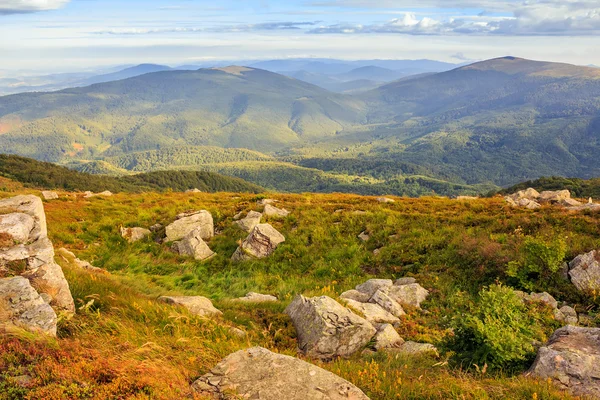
498,331
538,263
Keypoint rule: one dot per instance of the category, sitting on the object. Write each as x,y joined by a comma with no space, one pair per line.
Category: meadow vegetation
124,344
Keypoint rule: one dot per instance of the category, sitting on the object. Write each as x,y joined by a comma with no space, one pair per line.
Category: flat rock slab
258,373
197,305
23,307
326,329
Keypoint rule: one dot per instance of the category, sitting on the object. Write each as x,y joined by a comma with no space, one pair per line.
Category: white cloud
28,6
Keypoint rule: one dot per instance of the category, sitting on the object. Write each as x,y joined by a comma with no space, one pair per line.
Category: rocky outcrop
260,243
187,222
249,223
584,271
554,196
271,211
257,373
192,245
355,295
373,285
48,195
383,299
387,338
253,297
197,305
532,199
22,306
136,234
564,314
326,329
24,239
373,313
571,359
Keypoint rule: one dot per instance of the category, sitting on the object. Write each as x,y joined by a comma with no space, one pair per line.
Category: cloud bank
29,6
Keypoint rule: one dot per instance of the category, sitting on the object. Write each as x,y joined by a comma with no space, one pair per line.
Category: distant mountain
125,73
371,73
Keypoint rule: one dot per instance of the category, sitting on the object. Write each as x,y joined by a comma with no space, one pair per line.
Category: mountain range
495,122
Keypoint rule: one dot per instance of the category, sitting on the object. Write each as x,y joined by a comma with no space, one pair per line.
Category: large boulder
187,222
249,223
412,294
584,271
192,245
260,243
373,313
387,337
383,299
135,234
554,196
48,195
571,359
355,295
23,307
326,329
528,193
24,235
258,373
373,285
197,305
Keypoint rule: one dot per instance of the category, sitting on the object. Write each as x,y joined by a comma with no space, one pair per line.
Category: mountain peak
520,66
234,69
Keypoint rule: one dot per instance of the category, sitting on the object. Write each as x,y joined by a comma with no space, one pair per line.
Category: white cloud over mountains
28,6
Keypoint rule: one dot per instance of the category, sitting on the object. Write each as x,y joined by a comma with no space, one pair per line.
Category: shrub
498,330
538,262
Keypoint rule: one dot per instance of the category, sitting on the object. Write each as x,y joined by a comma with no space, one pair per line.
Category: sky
67,35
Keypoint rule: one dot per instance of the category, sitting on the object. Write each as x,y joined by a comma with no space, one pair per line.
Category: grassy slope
126,343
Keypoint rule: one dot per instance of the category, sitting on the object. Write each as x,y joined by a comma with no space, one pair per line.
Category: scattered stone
89,195
71,258
373,285
238,216
571,359
260,243
466,198
567,315
134,234
405,281
373,313
264,202
376,252
528,193
258,373
387,337
253,297
385,301
359,212
412,294
197,305
192,245
48,195
271,211
529,204
554,196
414,348
570,203
156,228
584,271
249,223
364,236
544,297
238,332
23,307
187,222
195,190
385,200
326,329
355,295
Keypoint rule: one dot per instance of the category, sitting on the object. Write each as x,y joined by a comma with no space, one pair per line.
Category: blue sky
61,35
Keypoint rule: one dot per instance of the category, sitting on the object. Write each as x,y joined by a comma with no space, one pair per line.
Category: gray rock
414,348
195,190
16,227
412,294
271,211
373,285
385,200
527,203
387,337
257,373
253,297
584,271
385,301
373,313
571,359
249,223
197,305
188,222
192,245
89,195
544,297
364,236
405,281
326,329
30,205
554,196
49,279
264,202
355,295
567,315
260,243
134,234
570,203
23,307
48,195
528,193
156,227
71,258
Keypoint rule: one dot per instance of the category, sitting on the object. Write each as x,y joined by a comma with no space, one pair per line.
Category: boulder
511,202
134,234
373,285
570,203
260,243
412,294
326,329
554,196
584,271
528,193
529,204
30,205
15,228
385,200
49,279
48,195
197,305
192,245
387,337
264,202
187,222
257,298
571,359
405,281
385,301
23,307
195,190
355,295
249,223
544,297
373,313
271,211
258,373
71,258
89,195
567,315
